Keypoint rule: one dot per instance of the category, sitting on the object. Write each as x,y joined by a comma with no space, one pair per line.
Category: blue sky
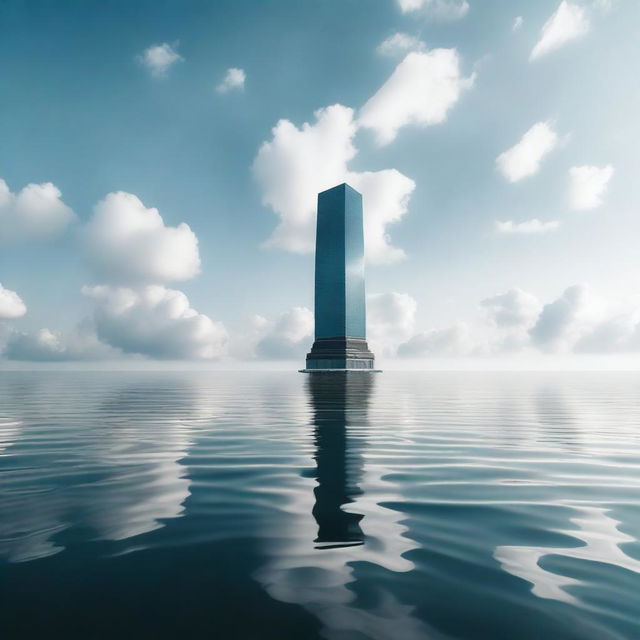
484,241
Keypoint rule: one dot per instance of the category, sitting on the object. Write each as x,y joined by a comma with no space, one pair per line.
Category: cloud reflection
601,537
120,479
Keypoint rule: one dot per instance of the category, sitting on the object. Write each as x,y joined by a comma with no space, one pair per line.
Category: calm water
392,506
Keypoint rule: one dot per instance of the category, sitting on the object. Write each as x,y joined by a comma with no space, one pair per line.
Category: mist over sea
401,505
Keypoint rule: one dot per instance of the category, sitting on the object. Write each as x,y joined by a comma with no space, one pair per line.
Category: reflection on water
152,464
599,540
349,506
318,573
122,481
338,401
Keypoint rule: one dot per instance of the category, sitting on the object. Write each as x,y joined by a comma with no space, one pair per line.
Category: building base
339,354
339,370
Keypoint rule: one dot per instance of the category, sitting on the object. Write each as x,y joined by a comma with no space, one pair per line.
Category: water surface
279,505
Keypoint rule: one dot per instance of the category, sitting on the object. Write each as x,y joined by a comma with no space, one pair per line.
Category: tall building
340,310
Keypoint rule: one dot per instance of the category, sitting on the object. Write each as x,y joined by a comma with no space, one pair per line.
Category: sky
160,163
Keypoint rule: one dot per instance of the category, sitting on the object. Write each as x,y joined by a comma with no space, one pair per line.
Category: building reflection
339,404
331,536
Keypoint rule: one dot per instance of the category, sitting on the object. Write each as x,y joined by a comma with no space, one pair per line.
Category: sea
276,505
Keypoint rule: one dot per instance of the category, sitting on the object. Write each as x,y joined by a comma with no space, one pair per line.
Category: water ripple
402,505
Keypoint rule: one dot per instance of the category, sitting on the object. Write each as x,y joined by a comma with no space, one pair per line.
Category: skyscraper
340,313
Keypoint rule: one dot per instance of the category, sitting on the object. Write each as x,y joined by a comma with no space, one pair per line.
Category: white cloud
453,341
151,321
11,304
517,23
421,90
298,163
159,59
385,196
568,22
258,322
46,345
524,158
289,338
511,316
587,186
529,227
576,322
128,243
130,247
565,320
617,334
443,9
515,308
156,322
35,213
400,43
390,320
410,5
233,80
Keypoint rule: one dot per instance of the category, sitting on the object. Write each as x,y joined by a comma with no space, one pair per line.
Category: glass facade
339,290
340,316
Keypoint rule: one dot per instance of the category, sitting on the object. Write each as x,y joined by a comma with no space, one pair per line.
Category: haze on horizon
160,167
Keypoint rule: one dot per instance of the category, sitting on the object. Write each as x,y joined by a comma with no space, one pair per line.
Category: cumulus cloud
390,320
421,90
34,213
517,23
46,345
298,163
150,321
131,249
511,316
528,227
443,9
515,308
159,59
517,322
587,186
577,321
155,321
452,341
127,243
385,197
233,81
524,158
614,335
11,304
565,320
568,22
400,43
288,338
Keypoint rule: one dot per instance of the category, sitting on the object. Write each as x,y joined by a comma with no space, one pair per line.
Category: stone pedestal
340,353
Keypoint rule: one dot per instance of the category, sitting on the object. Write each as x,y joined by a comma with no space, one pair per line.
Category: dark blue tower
340,312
